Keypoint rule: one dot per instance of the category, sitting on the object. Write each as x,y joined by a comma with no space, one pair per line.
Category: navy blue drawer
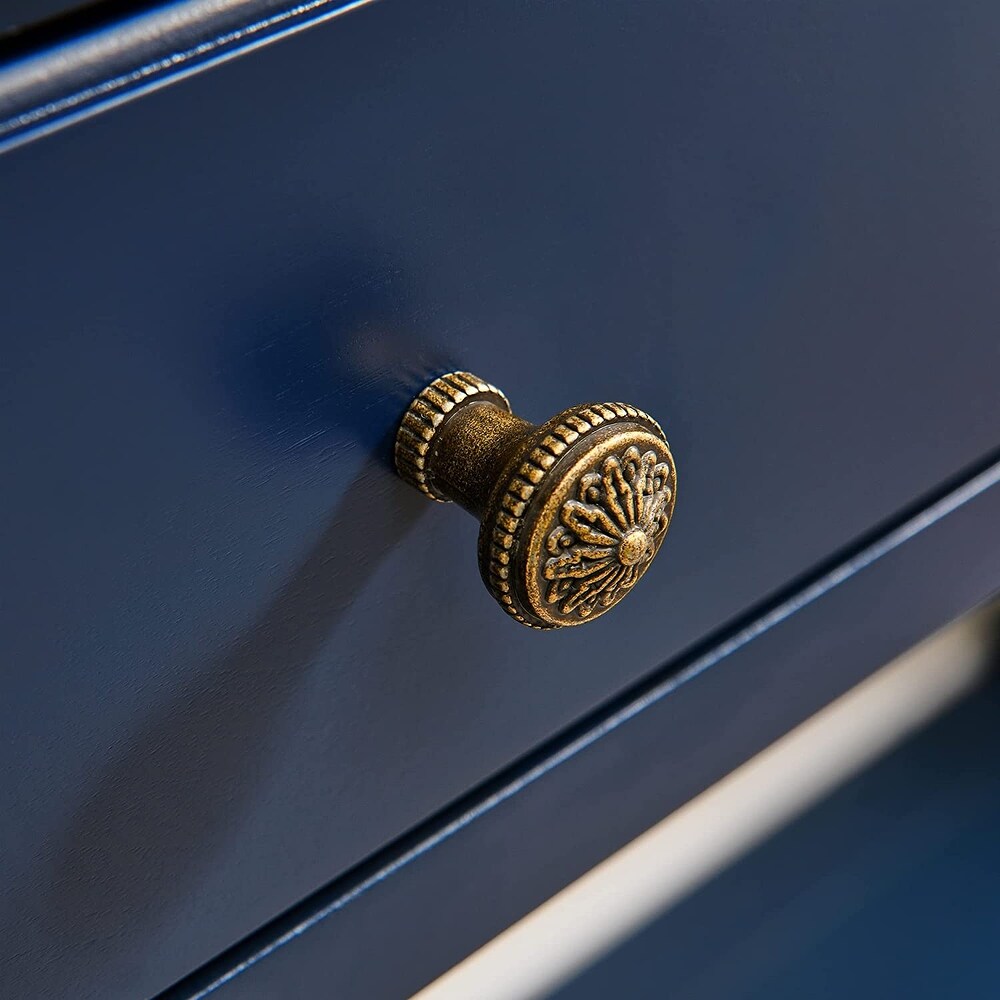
774,230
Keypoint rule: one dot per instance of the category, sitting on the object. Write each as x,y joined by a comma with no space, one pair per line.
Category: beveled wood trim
622,769
73,79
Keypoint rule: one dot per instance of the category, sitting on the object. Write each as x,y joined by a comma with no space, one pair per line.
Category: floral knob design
606,536
572,511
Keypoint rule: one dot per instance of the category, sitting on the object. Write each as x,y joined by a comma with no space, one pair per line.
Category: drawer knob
571,511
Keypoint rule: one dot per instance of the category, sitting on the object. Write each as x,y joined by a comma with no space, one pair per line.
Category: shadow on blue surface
888,888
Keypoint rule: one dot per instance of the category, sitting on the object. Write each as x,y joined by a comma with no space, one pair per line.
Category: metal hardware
571,511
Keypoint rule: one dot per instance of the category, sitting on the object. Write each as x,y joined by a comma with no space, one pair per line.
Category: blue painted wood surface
434,896
889,888
776,230
21,14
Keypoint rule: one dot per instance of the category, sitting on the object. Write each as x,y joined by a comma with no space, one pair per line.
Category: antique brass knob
571,511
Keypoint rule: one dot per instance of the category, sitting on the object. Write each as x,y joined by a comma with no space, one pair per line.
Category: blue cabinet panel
889,888
407,915
774,228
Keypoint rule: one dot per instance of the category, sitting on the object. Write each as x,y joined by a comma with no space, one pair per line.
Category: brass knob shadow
571,511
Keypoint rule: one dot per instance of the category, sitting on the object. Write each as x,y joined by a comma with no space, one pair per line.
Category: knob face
580,514
572,511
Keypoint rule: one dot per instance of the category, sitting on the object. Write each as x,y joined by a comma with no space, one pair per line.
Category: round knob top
572,511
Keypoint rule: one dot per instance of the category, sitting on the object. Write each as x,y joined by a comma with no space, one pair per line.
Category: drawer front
242,654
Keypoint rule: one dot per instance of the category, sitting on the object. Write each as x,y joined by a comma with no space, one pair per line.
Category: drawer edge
582,780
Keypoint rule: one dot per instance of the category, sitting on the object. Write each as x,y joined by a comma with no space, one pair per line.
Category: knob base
426,417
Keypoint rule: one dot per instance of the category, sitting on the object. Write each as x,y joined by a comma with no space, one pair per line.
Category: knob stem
470,451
